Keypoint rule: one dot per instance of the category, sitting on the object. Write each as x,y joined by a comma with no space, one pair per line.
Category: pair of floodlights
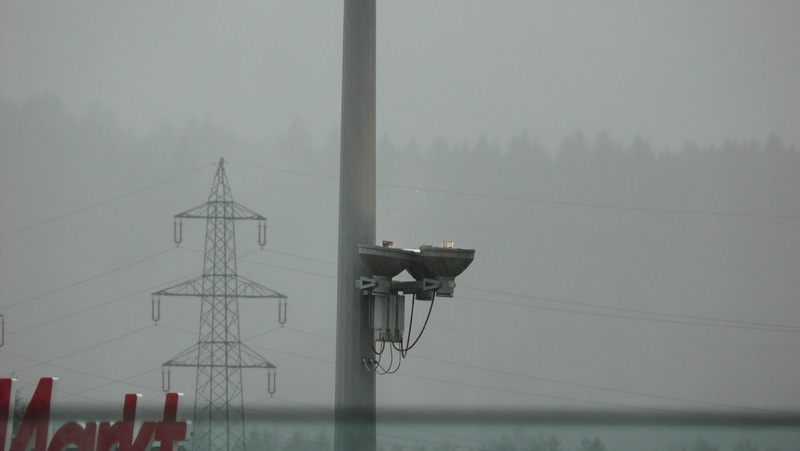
434,270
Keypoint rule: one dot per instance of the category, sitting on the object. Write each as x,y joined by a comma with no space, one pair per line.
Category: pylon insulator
262,233
177,232
166,379
282,312
155,309
271,381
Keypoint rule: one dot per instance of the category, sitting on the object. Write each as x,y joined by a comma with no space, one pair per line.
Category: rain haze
626,171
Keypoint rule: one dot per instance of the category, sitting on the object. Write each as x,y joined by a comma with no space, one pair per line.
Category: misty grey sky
670,71
631,281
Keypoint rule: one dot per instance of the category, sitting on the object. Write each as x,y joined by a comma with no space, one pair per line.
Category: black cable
405,351
399,362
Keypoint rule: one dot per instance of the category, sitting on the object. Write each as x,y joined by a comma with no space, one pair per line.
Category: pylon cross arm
244,288
190,358
220,209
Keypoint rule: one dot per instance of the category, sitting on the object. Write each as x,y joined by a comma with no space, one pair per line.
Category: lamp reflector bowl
385,261
438,262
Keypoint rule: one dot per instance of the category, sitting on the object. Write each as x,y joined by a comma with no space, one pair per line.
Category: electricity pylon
219,354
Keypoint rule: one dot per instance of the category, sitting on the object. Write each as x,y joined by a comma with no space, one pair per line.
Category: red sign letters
89,436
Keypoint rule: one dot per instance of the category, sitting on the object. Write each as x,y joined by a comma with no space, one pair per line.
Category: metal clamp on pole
366,284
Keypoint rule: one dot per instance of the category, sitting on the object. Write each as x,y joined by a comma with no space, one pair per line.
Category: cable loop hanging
262,233
404,351
166,379
155,308
177,232
282,312
271,381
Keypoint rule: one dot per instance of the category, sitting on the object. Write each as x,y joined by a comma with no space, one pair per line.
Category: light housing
441,264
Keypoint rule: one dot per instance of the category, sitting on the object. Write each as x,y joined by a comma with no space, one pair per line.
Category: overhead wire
570,399
597,387
772,327
612,315
727,322
107,201
104,304
104,342
544,201
575,384
85,373
113,301
621,309
89,279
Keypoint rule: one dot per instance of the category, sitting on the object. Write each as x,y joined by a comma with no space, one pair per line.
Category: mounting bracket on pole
365,284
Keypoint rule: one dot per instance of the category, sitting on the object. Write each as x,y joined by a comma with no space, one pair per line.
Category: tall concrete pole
355,385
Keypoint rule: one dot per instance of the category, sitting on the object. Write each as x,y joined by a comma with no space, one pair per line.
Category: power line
597,387
277,266
301,257
113,381
566,398
87,348
674,315
590,205
546,201
755,325
113,301
107,201
25,301
574,384
75,394
104,304
612,315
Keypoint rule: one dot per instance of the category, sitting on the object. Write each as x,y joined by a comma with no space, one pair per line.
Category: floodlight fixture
442,264
434,270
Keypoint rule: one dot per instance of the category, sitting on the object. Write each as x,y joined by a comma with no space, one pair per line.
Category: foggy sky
670,71
102,99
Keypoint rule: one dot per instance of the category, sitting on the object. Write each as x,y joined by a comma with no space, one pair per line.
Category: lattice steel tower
219,354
